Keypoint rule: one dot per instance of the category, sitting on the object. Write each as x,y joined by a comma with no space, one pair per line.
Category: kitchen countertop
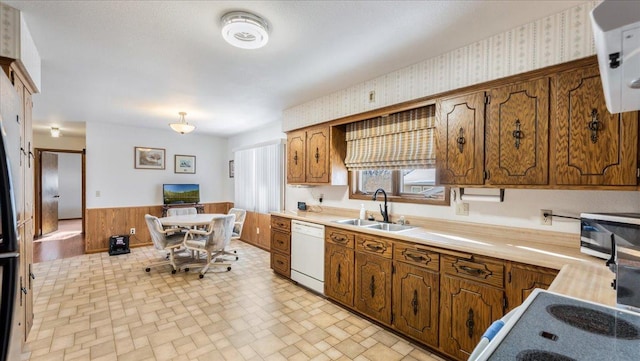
580,275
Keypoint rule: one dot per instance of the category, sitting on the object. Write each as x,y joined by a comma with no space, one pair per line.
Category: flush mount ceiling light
245,30
55,132
183,127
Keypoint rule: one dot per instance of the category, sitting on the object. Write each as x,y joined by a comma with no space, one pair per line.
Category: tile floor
97,307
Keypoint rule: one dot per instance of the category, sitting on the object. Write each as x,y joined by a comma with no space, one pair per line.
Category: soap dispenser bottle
363,213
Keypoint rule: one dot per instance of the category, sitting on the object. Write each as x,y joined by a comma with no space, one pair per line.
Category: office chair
164,240
240,214
181,211
212,241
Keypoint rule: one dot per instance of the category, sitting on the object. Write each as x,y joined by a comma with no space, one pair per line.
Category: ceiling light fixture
55,132
245,30
183,127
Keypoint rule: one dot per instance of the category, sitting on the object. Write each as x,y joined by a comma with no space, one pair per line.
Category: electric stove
553,327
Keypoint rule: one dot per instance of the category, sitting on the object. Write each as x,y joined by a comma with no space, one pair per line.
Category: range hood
616,30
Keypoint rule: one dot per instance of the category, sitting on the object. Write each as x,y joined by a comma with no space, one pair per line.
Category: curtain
259,178
403,140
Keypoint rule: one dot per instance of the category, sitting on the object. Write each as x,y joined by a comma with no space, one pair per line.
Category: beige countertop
580,275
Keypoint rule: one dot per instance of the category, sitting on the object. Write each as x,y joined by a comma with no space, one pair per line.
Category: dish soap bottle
363,213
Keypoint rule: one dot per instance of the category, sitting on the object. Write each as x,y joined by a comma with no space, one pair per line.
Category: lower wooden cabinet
338,273
373,286
522,279
281,245
466,310
415,302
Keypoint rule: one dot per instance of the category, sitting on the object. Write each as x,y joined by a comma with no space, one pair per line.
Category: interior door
50,195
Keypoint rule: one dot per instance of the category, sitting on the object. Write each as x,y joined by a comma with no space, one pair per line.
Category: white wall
521,207
41,140
69,185
110,165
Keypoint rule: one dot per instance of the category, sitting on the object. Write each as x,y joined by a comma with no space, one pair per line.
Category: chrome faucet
385,212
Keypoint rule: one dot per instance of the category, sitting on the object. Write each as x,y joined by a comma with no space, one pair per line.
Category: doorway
59,182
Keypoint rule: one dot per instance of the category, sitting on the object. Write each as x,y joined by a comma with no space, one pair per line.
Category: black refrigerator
9,250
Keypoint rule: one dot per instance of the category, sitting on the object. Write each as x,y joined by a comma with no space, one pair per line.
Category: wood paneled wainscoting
102,223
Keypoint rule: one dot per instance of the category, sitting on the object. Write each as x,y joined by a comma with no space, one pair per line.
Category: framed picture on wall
231,170
185,164
148,158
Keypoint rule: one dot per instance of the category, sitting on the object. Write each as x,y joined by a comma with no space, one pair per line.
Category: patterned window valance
404,140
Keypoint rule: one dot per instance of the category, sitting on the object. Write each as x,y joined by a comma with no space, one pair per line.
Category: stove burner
537,355
594,321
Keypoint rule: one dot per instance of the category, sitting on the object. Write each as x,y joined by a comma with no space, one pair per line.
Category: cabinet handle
414,302
372,286
471,270
339,239
461,140
295,157
415,258
470,323
317,156
280,262
594,125
338,274
518,134
373,247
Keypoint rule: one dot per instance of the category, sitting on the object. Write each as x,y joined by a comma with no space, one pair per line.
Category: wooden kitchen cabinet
281,245
339,273
416,300
518,134
460,141
373,276
316,156
467,308
592,146
522,279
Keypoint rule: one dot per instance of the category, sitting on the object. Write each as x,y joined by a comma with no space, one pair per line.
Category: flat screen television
180,193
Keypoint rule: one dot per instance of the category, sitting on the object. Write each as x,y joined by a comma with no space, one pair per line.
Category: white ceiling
141,62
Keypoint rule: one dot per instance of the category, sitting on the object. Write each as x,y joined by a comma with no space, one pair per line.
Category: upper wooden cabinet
592,146
460,142
517,134
316,156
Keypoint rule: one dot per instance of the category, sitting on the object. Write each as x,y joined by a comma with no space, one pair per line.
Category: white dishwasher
307,255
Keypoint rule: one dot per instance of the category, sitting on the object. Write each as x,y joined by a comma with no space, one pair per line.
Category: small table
190,220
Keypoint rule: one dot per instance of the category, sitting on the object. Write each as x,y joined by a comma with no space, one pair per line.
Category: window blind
259,178
403,140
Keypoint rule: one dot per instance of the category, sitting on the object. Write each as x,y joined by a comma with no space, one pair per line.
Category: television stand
199,207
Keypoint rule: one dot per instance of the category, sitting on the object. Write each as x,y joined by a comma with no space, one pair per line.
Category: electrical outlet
546,216
257,230
462,209
132,231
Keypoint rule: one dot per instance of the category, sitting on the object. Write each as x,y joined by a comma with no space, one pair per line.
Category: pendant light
182,127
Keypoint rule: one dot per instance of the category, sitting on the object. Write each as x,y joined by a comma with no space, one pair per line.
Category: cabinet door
415,302
467,309
317,155
518,134
523,279
593,147
373,286
26,255
295,157
338,273
460,150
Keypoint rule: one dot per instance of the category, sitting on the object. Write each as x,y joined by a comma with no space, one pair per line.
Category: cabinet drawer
339,237
480,269
281,223
281,242
281,264
374,245
416,255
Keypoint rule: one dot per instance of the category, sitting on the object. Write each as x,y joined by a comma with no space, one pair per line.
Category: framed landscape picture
185,164
148,158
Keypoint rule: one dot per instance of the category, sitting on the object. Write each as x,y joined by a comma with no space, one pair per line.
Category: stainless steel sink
390,227
357,222
387,227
